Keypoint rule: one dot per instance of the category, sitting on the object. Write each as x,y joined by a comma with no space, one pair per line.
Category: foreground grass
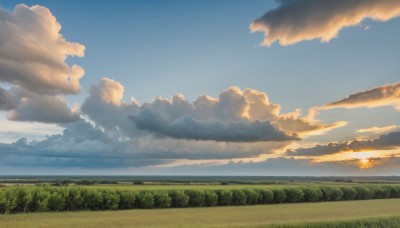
381,222
328,214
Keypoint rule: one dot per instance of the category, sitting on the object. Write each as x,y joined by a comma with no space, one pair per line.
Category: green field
246,216
157,186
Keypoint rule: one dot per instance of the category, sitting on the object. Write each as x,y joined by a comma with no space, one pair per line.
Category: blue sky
161,48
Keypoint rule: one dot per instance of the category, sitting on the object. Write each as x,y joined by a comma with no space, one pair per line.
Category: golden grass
211,217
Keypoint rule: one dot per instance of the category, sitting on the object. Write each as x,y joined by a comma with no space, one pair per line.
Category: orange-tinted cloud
380,96
377,130
384,142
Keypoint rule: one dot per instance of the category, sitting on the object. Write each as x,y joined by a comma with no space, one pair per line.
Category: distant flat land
243,216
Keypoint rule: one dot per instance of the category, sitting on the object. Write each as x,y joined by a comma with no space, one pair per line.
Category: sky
179,87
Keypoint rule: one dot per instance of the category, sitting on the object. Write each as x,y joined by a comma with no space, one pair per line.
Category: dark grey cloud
299,20
384,142
83,145
80,145
23,105
320,150
192,129
43,108
7,100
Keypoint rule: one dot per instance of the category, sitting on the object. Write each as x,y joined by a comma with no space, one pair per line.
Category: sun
365,163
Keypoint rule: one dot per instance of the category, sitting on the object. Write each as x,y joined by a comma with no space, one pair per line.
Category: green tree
111,200
179,198
224,197
196,198
265,196
211,198
24,199
336,194
252,196
293,195
279,196
8,202
239,197
74,199
145,200
40,199
127,199
363,193
162,199
348,193
92,199
56,202
312,194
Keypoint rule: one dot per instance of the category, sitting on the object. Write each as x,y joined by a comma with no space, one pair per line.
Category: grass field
246,216
157,186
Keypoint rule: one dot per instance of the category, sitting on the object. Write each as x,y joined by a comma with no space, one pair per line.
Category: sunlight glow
365,163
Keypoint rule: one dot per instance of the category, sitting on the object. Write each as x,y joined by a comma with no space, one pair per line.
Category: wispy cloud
387,95
378,130
384,142
294,20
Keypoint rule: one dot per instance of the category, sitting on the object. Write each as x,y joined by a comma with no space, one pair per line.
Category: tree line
73,198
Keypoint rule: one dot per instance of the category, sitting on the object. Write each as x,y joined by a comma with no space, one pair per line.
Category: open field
247,216
157,186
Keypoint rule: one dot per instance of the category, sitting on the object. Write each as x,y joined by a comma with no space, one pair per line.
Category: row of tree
50,198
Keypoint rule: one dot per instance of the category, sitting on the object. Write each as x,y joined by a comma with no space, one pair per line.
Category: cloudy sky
259,87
